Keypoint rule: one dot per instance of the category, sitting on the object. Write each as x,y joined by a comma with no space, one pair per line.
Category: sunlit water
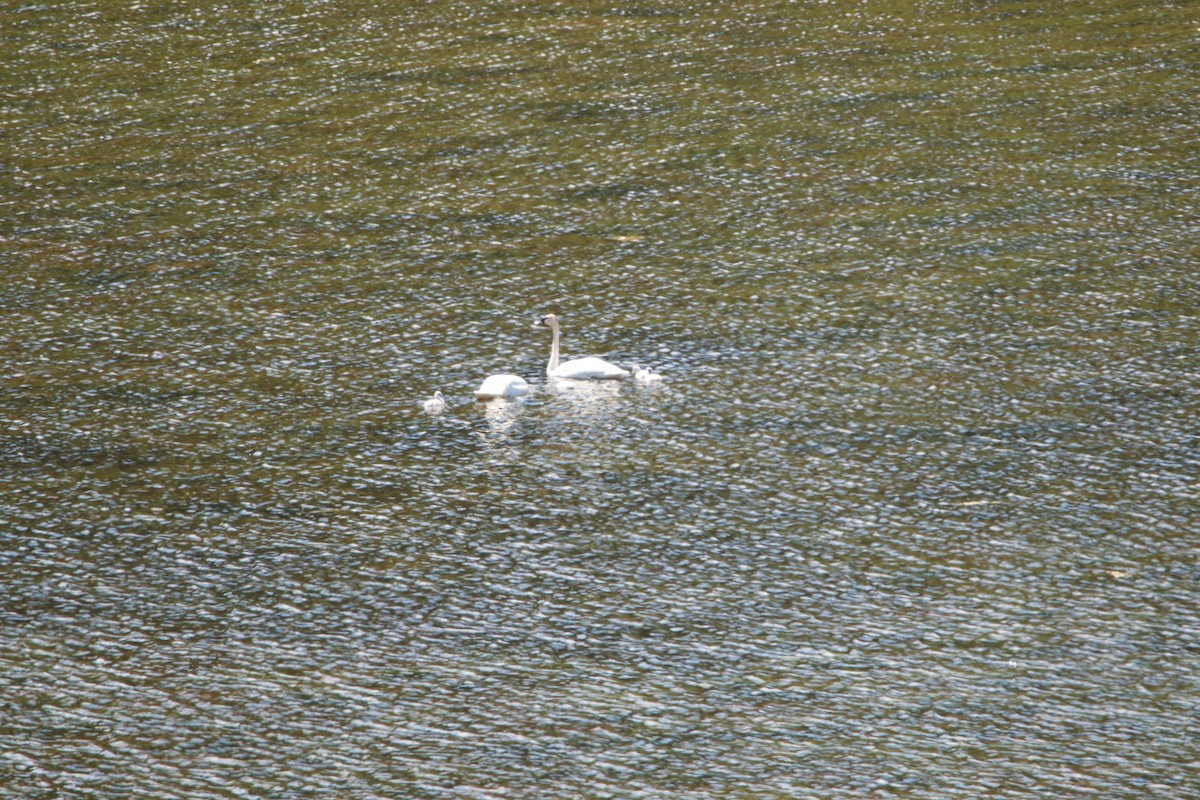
913,513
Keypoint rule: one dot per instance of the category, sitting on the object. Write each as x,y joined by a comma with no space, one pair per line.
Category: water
912,515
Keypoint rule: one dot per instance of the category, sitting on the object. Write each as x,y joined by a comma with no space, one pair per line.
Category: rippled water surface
913,513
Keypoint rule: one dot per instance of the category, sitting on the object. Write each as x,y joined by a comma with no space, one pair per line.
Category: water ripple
910,514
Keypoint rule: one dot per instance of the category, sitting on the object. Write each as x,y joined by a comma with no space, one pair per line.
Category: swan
646,375
436,404
502,386
579,369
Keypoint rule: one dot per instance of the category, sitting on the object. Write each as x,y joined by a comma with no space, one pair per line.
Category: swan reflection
500,416
584,398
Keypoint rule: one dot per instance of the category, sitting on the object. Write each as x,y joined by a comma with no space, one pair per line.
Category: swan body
495,386
436,404
578,369
586,369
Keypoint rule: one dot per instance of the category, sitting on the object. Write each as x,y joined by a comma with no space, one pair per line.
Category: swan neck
553,365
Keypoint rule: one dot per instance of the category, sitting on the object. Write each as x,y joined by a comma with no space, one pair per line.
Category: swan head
549,321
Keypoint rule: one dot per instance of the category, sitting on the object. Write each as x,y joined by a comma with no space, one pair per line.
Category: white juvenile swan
646,375
495,386
579,369
436,404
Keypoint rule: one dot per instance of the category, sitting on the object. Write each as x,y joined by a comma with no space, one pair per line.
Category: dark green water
912,515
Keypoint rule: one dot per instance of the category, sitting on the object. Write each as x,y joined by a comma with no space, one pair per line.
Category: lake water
913,513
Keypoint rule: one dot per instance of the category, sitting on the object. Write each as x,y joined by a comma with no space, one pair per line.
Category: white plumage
579,369
646,375
435,404
496,386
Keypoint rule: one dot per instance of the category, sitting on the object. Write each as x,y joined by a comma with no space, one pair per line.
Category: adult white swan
495,386
579,369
